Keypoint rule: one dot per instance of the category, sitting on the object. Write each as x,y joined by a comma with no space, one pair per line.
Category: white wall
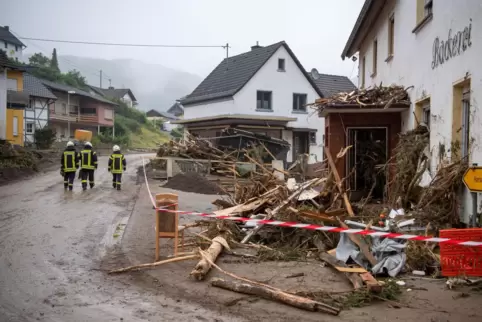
412,65
282,85
10,50
36,113
3,104
127,100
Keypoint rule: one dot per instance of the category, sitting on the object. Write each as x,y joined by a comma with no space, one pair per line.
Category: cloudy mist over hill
155,86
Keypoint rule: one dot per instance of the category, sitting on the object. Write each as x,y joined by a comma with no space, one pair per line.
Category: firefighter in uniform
69,165
88,164
117,165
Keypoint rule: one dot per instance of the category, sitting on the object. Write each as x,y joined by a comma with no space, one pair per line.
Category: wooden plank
358,240
351,269
354,278
371,283
338,182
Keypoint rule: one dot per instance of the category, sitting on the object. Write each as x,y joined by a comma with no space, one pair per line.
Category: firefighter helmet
70,143
88,144
116,148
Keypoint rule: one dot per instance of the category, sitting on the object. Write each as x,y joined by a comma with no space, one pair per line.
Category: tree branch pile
376,96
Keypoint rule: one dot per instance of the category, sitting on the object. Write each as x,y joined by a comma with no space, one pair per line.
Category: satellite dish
315,74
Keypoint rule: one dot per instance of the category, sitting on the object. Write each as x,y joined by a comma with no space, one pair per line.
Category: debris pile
193,182
377,96
16,162
413,205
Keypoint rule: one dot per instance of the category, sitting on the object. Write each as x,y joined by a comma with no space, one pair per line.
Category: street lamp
68,111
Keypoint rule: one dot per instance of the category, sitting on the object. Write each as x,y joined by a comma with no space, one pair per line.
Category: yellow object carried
83,135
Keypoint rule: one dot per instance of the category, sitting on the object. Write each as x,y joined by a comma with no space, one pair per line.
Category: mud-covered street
55,246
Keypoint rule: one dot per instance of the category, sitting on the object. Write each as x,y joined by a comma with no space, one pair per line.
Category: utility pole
110,82
101,78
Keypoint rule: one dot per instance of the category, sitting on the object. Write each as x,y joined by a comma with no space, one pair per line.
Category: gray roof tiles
333,84
66,88
34,87
6,35
234,72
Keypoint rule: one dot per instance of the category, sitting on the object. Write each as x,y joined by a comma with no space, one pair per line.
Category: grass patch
148,138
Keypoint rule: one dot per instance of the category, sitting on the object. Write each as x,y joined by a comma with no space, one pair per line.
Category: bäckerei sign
454,45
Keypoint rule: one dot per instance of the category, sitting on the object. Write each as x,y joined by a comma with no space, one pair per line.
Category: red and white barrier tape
371,233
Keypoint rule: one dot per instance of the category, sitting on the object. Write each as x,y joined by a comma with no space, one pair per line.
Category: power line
104,76
122,44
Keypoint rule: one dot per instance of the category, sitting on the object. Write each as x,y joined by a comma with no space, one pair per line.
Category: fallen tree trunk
149,265
203,266
275,295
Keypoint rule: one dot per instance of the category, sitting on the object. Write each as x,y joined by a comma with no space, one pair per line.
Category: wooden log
203,266
150,265
275,295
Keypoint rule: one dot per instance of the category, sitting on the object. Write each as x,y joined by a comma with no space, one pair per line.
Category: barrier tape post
371,233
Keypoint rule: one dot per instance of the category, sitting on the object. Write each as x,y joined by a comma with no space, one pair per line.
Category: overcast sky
316,30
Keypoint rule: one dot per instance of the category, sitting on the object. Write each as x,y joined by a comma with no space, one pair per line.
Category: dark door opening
301,144
366,159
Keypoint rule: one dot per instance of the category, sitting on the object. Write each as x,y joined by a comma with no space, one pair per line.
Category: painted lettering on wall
454,45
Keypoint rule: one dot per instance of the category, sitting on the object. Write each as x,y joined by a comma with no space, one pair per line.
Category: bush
44,138
130,112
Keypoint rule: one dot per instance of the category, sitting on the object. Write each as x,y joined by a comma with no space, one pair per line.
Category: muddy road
55,247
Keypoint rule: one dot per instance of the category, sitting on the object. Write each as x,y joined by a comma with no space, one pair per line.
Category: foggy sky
316,30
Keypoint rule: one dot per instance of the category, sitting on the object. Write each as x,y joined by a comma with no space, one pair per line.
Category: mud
427,300
55,247
193,182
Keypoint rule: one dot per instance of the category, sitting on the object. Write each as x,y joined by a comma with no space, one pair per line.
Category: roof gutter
356,28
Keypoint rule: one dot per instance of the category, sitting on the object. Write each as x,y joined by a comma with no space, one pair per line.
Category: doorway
301,144
366,160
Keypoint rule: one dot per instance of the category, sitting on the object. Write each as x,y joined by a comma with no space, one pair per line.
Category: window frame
363,72
301,108
270,101
423,14
26,127
375,57
391,37
5,45
282,66
426,114
465,146
312,135
15,126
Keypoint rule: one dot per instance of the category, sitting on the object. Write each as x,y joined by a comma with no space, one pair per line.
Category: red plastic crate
458,260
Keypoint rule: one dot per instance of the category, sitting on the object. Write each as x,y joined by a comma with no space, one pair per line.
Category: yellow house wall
18,139
11,113
14,74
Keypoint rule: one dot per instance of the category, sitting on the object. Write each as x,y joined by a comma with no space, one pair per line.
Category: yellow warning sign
473,179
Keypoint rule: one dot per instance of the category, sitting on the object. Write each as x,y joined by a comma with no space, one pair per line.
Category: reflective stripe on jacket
88,159
117,162
70,161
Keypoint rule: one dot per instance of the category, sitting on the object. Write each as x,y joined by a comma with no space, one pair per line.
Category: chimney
6,28
256,46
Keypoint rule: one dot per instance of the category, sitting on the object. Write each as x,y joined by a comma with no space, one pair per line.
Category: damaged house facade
430,47
264,91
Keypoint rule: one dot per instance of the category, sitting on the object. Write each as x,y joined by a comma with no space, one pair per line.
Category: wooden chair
167,223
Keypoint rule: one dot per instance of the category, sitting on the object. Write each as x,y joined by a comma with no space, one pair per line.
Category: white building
123,94
10,44
37,112
434,46
264,91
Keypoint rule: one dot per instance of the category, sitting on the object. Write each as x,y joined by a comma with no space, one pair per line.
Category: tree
54,63
74,78
38,59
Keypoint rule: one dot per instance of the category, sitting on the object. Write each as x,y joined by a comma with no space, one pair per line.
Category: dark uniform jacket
70,160
88,159
117,162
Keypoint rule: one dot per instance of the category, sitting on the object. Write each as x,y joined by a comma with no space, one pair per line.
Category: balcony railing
74,117
16,98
